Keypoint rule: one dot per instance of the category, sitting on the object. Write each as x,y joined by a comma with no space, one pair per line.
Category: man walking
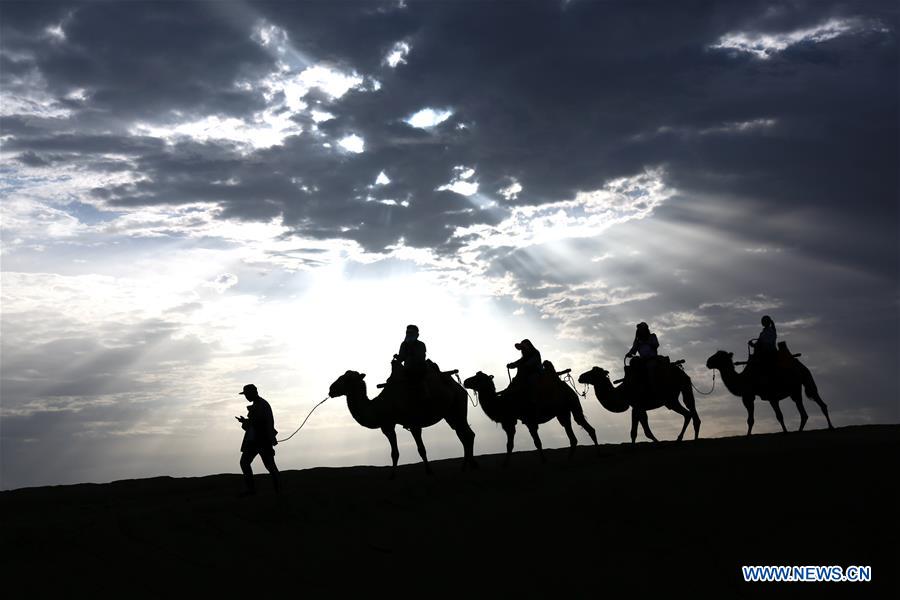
259,438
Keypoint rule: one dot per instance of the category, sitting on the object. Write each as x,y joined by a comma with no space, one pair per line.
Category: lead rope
571,382
474,402
508,374
710,389
304,421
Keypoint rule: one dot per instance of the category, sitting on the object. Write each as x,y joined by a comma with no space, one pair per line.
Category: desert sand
668,519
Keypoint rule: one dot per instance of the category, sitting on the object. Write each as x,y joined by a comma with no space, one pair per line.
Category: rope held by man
304,421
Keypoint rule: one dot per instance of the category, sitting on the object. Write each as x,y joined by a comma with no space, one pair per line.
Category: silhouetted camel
554,400
620,398
396,405
785,382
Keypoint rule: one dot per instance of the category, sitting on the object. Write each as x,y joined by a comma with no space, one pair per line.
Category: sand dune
646,520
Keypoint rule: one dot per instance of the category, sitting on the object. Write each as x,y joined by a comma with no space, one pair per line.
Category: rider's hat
248,388
526,343
766,321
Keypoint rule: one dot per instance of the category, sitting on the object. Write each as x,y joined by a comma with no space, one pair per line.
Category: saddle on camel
650,375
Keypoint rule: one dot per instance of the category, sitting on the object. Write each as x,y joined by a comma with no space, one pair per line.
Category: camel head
720,359
479,382
349,381
595,375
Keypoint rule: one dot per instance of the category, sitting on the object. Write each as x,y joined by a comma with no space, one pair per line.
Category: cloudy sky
199,195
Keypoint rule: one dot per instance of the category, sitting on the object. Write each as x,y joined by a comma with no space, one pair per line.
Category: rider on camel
646,347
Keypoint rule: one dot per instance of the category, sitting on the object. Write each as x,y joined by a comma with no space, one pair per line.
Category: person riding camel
765,343
764,347
646,346
411,357
412,351
529,366
528,369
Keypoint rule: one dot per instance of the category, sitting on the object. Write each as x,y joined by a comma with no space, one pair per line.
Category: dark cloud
561,97
140,60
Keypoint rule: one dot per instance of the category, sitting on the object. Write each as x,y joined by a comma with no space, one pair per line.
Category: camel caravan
418,394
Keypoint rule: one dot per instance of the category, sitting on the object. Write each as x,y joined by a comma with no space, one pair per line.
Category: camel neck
611,398
732,379
490,403
362,409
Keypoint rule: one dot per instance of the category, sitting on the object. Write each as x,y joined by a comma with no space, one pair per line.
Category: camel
554,400
398,404
620,398
791,381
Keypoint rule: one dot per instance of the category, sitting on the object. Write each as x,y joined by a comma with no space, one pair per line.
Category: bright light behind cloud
320,116
511,192
56,33
269,130
765,45
463,182
588,214
352,143
284,88
397,55
429,117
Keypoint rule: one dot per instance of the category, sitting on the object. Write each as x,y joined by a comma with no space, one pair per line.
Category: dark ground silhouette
668,520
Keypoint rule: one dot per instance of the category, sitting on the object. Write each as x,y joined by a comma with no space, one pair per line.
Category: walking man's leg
247,470
268,459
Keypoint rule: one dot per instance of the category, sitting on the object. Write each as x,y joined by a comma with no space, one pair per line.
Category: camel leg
812,392
460,425
565,420
467,437
814,396
533,430
634,424
748,404
391,435
778,414
510,429
420,445
578,415
797,397
687,395
686,414
645,424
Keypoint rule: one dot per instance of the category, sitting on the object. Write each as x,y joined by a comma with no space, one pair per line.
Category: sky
200,195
